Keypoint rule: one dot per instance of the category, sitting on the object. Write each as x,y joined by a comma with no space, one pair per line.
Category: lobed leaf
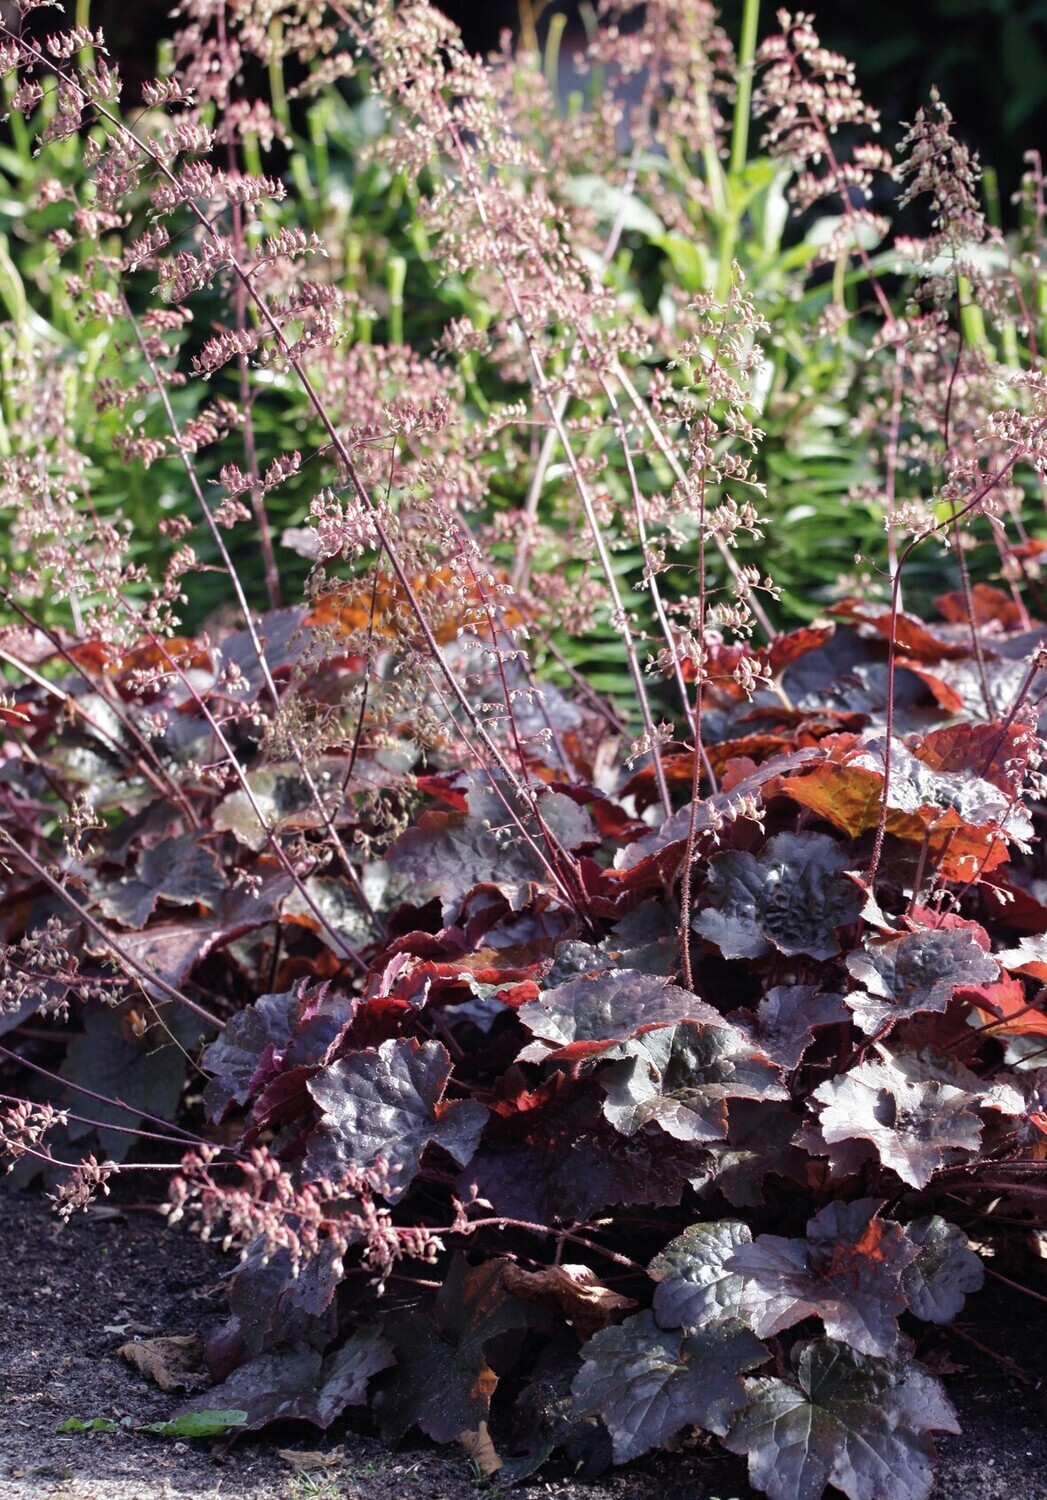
936,1283
647,1383
385,1105
695,1288
444,1381
916,972
681,1078
596,1011
846,1272
917,1121
296,1383
793,897
848,1420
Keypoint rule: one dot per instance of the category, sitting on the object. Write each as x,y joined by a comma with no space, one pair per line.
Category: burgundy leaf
385,1105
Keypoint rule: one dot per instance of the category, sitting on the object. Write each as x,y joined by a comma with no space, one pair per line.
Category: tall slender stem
743,101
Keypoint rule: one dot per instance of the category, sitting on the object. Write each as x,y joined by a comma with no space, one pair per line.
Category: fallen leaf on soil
302,1460
173,1363
479,1447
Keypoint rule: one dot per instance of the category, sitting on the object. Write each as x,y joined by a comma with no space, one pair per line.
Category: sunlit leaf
848,1420
847,1272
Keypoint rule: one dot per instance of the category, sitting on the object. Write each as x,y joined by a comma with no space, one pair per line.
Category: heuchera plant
594,1079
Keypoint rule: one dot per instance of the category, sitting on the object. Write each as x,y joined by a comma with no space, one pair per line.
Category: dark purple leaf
144,1070
446,854
589,1014
944,1271
916,972
345,1374
386,1104
846,1272
285,639
297,1385
681,1079
173,949
786,1019
233,1059
794,897
694,1287
544,1418
761,1142
732,921
848,1420
270,1388
525,1172
444,1383
183,870
272,1305
648,1382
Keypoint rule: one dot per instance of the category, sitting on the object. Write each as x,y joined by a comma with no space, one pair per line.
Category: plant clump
594,997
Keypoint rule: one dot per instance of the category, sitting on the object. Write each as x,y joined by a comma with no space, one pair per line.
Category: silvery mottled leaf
682,1077
848,1420
596,1011
847,1272
732,920
916,1124
914,784
794,896
936,1283
694,1286
647,1382
913,973
386,1104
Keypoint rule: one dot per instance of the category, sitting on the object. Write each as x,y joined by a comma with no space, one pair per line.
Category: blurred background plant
656,169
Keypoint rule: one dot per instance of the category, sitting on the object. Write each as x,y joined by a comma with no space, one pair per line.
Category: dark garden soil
73,1294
